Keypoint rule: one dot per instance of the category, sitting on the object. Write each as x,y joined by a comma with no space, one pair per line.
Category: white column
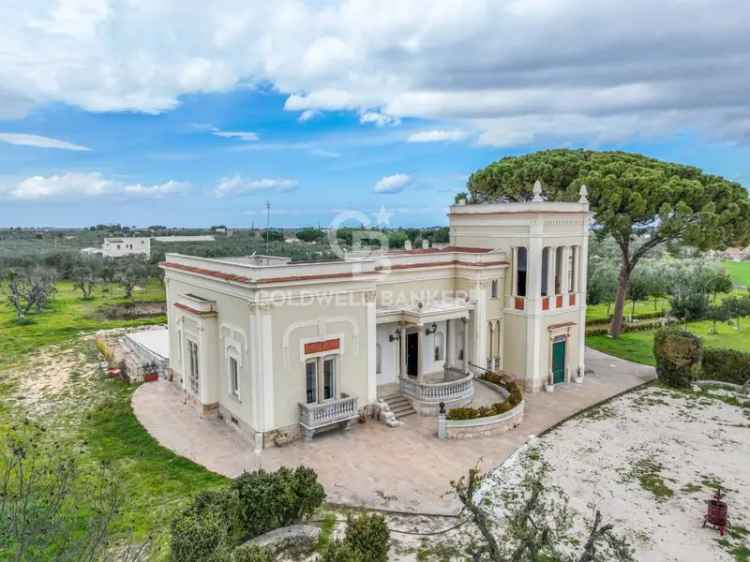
450,344
466,346
372,334
480,326
267,369
583,255
565,274
256,379
402,351
533,352
420,352
514,279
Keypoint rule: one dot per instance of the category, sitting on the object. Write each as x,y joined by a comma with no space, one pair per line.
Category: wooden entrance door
558,361
412,351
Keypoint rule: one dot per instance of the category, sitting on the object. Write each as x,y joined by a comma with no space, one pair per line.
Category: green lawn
95,412
638,346
67,317
739,271
598,312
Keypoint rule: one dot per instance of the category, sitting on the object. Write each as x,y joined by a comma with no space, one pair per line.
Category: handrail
436,392
320,414
482,368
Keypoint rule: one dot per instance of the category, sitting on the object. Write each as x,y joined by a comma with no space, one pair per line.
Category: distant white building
139,245
131,246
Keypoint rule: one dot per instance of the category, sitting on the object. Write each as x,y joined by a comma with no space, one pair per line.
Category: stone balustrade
323,414
427,396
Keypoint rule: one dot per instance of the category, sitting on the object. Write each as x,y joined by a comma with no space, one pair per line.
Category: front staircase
399,405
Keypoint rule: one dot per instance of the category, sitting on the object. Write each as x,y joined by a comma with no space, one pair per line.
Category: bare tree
130,272
30,288
85,277
51,506
537,524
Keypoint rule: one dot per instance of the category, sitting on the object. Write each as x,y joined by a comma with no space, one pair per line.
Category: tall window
311,378
521,272
234,377
378,359
572,269
545,272
558,269
439,346
329,378
493,289
194,374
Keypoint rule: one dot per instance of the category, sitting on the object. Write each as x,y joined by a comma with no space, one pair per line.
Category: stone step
399,405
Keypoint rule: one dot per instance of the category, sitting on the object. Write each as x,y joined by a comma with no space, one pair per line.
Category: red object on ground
113,372
150,377
717,514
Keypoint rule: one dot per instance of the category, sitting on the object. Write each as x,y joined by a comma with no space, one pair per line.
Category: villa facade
281,348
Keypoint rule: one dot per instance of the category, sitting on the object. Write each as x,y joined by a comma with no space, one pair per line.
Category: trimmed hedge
727,365
678,356
514,398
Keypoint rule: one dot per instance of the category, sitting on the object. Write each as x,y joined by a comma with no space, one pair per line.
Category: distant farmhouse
139,245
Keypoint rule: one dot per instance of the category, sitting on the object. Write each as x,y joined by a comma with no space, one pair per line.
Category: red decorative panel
572,299
150,377
545,303
321,346
559,302
519,303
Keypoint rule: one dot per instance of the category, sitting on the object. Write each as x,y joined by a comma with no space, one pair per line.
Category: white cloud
237,185
511,72
76,185
379,119
392,184
438,135
308,115
39,141
247,136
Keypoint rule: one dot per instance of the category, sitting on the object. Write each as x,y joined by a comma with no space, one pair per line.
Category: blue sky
160,113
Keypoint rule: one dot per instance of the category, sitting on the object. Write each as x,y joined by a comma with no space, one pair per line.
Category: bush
195,538
206,526
339,551
269,500
368,537
727,365
690,306
514,398
678,356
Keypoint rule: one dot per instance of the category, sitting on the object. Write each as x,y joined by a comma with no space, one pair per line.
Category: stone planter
549,387
482,427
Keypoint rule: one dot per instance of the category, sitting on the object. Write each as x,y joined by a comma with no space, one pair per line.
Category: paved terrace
403,469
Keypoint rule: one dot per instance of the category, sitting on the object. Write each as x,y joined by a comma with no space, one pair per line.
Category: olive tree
642,203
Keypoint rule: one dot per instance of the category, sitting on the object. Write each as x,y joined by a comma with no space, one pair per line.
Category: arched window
521,272
493,289
378,359
439,346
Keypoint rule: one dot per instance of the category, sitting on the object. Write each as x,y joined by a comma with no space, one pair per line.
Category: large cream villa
275,347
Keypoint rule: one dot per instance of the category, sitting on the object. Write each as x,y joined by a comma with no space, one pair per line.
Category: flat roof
156,341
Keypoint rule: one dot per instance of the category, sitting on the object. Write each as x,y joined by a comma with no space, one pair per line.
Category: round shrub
195,538
678,357
269,500
368,537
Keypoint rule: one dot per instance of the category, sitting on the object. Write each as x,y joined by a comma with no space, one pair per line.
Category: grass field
638,346
739,271
67,317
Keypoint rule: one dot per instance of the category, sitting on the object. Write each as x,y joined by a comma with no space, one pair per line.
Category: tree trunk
622,290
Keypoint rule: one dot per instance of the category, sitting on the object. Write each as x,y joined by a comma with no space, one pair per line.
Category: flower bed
514,396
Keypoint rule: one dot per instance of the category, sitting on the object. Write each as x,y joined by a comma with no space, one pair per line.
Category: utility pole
268,223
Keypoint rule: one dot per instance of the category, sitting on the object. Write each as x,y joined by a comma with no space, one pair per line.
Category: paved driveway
403,469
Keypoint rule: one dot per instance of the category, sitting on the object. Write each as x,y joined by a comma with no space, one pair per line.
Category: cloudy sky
186,112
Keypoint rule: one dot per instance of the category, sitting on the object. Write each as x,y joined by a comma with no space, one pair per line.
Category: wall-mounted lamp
395,336
431,330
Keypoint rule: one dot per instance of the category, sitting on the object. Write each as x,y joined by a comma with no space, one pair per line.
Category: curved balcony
427,396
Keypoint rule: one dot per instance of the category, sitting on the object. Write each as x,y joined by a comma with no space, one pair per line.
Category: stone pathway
403,469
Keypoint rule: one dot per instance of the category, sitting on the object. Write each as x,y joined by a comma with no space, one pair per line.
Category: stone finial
584,193
537,192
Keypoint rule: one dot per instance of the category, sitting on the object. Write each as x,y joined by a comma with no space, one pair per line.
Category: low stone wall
433,408
480,427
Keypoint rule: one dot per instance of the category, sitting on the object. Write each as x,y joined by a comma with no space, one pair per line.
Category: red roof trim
207,272
441,264
446,250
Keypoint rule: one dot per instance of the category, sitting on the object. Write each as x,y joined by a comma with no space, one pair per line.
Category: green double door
558,361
